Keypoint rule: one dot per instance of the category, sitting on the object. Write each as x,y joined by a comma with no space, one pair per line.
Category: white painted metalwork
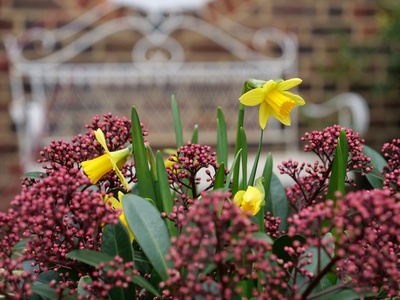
65,94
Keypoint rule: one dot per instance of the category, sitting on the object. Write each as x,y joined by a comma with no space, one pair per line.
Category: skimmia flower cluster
109,219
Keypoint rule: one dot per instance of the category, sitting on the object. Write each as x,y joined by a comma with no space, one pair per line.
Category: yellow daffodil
96,168
274,99
117,204
251,200
170,161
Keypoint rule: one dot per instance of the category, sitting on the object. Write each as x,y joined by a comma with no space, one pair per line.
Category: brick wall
339,48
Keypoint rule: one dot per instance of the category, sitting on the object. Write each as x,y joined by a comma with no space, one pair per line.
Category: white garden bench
53,96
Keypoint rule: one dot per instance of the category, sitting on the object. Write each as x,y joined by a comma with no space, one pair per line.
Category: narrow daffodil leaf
150,231
165,192
238,147
177,122
220,177
195,135
222,138
233,167
339,168
267,173
144,178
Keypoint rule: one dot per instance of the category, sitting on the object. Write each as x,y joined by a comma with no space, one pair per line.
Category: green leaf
195,135
116,241
344,294
34,175
84,280
139,280
220,177
90,257
277,201
46,292
375,177
267,173
165,192
120,293
263,236
339,167
144,179
150,231
320,260
238,148
284,240
233,167
177,122
222,138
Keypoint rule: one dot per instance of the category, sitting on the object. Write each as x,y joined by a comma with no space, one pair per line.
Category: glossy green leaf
276,202
320,260
195,135
34,175
222,138
116,241
165,192
144,179
283,241
177,122
46,292
121,293
139,280
339,167
343,294
263,236
150,231
375,177
84,281
90,257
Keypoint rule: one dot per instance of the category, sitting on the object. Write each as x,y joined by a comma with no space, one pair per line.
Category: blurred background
340,46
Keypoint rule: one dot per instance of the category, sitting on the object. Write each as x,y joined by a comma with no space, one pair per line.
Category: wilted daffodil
274,99
96,168
251,200
117,204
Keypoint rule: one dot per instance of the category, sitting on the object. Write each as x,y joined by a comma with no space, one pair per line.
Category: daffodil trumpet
97,167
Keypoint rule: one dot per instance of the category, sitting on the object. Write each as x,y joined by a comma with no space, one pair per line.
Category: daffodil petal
269,86
253,97
251,194
288,84
99,134
239,197
263,114
114,203
121,177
